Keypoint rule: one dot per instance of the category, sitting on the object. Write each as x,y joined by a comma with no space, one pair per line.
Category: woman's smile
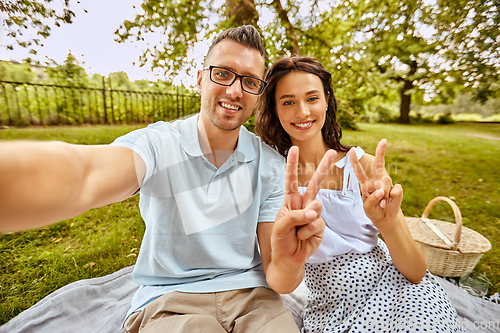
304,125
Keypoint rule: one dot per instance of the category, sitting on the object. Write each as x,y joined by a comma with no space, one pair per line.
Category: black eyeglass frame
236,76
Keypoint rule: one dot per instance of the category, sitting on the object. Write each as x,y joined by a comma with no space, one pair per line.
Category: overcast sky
91,40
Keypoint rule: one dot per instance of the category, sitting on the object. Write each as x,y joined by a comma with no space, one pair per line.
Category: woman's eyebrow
286,96
314,91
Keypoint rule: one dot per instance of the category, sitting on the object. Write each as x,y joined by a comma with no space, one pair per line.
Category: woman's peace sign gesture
382,205
381,200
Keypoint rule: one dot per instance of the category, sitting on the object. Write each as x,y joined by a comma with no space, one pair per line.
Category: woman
356,282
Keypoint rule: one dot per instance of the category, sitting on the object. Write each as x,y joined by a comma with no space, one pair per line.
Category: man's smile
230,106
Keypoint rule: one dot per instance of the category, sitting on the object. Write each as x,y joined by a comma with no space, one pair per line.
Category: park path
485,136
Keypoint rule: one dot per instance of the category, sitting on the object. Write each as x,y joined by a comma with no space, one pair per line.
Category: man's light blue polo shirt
201,221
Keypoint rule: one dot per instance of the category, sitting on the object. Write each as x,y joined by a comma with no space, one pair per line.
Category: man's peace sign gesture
298,229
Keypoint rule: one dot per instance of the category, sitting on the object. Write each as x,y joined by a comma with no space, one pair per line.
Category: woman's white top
348,229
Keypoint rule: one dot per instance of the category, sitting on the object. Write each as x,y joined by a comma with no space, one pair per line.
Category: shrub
445,119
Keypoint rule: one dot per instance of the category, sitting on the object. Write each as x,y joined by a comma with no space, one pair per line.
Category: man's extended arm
45,182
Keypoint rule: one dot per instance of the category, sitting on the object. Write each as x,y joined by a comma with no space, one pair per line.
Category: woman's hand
382,205
381,199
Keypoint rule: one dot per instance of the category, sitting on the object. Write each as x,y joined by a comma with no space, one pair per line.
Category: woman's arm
405,253
382,204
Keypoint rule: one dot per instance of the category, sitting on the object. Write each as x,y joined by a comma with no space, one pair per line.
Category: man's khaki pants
239,311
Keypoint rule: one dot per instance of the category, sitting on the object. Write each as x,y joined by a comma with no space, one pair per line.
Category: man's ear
199,78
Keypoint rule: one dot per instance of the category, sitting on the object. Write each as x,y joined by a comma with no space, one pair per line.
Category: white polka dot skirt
366,293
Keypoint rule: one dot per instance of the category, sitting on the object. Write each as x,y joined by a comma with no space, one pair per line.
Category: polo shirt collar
245,151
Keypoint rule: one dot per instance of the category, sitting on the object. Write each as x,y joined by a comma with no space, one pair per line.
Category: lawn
428,160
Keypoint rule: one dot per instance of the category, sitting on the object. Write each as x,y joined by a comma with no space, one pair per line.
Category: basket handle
458,220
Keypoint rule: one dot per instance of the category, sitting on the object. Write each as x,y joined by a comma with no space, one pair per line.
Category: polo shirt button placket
213,188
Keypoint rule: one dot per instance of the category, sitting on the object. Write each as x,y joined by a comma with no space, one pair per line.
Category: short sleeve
144,142
272,204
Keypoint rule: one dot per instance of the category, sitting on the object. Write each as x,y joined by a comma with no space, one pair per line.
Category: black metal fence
23,104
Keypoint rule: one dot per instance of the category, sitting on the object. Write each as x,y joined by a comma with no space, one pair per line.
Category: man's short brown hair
246,35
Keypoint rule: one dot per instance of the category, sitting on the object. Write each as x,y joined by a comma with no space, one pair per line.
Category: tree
120,80
22,15
428,50
391,35
329,35
470,31
17,72
241,12
291,31
69,73
377,51
185,22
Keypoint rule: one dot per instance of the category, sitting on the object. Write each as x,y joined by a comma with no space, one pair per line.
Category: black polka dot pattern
364,292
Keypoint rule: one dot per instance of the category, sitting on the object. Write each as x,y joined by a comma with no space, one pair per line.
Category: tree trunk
241,12
404,109
293,45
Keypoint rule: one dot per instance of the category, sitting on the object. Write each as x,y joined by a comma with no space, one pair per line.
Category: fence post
112,104
144,114
65,91
177,100
38,102
183,111
57,106
26,91
18,105
7,104
104,99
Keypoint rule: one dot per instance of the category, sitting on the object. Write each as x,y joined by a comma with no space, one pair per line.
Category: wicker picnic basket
449,249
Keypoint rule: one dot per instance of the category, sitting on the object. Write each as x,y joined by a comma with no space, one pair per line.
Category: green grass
428,160
85,134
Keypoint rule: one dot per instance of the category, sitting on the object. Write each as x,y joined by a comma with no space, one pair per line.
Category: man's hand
46,182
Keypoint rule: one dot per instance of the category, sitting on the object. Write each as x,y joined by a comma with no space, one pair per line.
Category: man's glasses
226,77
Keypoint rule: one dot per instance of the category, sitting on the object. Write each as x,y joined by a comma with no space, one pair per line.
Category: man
210,191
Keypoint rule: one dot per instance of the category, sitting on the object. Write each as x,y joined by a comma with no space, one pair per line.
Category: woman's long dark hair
267,124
